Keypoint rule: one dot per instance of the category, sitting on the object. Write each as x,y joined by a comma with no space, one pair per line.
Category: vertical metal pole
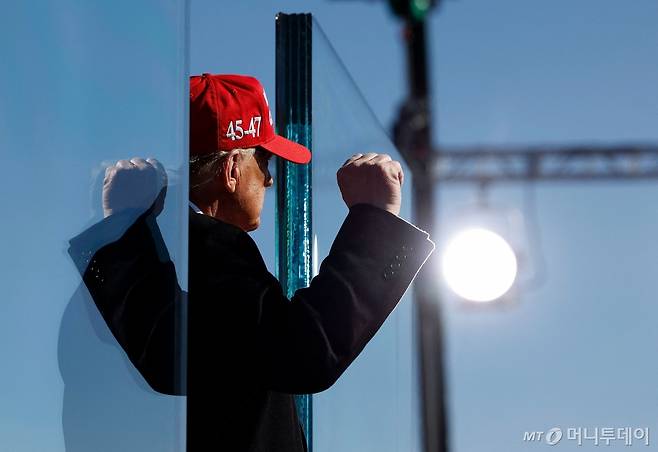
293,120
413,136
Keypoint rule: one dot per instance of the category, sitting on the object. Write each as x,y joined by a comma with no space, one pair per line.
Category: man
249,347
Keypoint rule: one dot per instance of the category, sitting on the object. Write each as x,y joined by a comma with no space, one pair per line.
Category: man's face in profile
255,177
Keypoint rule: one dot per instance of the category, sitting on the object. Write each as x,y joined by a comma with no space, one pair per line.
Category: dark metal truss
563,163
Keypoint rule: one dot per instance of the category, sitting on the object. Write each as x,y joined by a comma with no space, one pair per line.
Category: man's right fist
373,179
134,184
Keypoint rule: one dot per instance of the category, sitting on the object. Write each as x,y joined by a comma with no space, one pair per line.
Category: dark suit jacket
249,347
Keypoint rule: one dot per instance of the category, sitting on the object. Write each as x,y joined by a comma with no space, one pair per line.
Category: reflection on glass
126,268
83,86
144,326
376,393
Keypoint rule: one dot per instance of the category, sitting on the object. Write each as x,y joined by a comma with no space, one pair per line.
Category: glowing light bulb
479,265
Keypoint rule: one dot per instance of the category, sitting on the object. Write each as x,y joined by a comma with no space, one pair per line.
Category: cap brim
287,149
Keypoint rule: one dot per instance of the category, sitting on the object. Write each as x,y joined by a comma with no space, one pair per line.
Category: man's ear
231,171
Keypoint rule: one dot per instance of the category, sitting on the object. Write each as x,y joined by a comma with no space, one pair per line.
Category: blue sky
84,84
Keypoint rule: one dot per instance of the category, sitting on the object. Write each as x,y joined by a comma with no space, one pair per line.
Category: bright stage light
479,265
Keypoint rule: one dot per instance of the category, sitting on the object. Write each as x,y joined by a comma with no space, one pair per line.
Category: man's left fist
134,184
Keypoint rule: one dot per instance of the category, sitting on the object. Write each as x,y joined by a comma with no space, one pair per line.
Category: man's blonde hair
203,168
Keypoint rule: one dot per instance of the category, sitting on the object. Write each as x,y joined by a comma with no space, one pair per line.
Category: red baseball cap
231,111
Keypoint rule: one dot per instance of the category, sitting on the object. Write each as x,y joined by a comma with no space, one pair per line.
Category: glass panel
82,85
294,186
372,406
376,393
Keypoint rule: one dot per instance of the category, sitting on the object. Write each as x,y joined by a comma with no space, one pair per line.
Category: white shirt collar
195,208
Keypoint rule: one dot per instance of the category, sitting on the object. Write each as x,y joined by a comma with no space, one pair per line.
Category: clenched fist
134,184
373,179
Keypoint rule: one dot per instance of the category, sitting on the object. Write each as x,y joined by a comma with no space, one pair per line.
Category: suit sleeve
304,344
126,268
